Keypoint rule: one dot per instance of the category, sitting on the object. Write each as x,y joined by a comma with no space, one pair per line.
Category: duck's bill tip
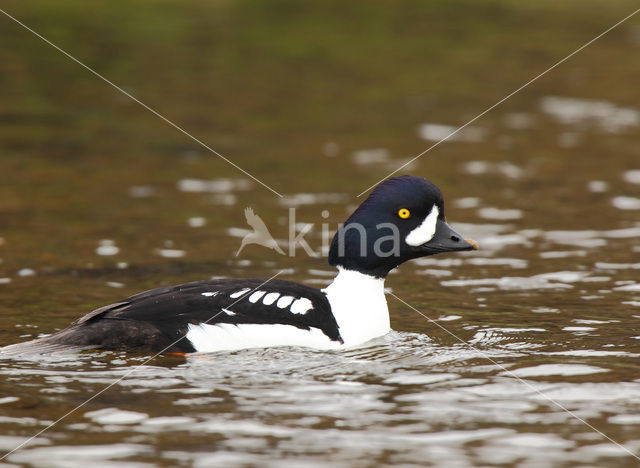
473,243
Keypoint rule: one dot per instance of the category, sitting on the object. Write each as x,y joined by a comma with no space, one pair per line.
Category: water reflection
412,397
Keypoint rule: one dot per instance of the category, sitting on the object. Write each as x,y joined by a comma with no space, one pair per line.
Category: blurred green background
289,91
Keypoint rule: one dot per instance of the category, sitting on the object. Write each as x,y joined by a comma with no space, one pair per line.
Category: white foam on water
437,132
300,199
545,310
617,266
563,254
80,455
434,272
467,202
141,191
371,156
106,248
518,120
449,318
598,186
115,416
407,378
626,203
8,442
9,399
511,262
489,212
635,287
196,221
563,276
631,232
170,253
624,419
214,185
26,272
632,176
226,199
579,329
603,114
557,369
508,283
591,353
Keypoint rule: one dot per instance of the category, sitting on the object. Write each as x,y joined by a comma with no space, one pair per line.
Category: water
522,354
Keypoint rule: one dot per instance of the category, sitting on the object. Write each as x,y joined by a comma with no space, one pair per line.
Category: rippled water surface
522,354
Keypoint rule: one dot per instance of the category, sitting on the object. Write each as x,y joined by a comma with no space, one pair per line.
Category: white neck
359,306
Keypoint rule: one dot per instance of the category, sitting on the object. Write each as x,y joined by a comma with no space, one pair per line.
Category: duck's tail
38,346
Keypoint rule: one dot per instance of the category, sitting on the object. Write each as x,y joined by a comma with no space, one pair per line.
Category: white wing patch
425,232
240,293
301,306
229,312
228,337
255,297
298,306
210,293
270,298
284,301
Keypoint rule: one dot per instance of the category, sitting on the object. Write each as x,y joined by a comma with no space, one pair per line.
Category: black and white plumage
403,218
164,317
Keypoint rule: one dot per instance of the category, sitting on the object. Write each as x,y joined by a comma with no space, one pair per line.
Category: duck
402,219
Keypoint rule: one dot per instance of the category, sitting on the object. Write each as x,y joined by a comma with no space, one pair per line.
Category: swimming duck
402,219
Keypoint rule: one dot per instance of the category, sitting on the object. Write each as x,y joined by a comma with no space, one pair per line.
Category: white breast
230,337
359,306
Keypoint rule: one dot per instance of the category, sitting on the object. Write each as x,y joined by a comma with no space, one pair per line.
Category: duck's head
402,219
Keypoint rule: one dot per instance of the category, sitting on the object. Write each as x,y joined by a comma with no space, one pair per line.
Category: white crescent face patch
425,231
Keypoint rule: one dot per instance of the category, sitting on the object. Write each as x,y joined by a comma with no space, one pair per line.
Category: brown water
97,201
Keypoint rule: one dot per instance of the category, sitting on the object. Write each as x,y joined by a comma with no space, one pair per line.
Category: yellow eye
404,213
